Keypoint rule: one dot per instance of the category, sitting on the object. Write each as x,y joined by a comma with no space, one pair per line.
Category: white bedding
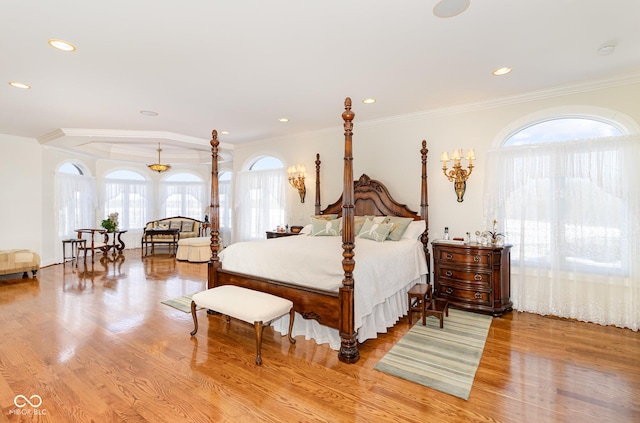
383,272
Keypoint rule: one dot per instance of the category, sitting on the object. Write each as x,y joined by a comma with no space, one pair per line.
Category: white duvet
381,270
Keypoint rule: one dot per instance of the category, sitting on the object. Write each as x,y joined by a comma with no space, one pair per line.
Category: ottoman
196,250
254,307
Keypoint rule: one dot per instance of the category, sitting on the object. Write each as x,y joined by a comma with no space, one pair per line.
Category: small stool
250,306
436,307
75,244
418,296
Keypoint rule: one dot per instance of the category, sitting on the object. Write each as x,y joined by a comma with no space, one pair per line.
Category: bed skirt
383,317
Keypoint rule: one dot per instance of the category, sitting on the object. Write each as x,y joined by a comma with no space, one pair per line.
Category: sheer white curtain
224,191
571,211
261,202
185,199
132,201
76,203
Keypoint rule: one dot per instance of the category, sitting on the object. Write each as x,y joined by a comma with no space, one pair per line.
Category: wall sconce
458,175
296,179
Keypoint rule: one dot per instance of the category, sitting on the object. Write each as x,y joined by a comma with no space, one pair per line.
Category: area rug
182,303
444,359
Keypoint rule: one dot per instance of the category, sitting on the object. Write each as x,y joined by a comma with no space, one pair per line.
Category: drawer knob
448,273
476,259
448,291
448,256
477,277
478,295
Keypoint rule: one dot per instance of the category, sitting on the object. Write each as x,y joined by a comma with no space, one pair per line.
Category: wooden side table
438,308
276,234
418,295
76,245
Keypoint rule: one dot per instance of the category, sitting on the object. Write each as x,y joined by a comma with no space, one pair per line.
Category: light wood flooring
98,346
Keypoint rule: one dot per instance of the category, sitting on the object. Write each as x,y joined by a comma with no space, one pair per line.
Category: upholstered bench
19,261
196,250
257,308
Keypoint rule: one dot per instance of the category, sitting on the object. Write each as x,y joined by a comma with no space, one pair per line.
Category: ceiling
239,66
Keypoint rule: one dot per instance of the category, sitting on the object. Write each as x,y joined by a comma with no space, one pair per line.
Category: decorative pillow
358,222
375,231
186,226
400,225
414,230
324,217
175,224
322,227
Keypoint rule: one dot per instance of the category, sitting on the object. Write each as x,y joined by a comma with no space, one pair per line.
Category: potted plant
110,223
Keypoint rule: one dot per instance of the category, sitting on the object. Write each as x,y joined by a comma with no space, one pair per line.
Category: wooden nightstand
473,276
276,234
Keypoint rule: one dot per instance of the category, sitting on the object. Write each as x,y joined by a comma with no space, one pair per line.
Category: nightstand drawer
468,257
469,277
477,297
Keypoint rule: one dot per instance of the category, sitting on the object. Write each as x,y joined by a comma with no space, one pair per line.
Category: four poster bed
345,302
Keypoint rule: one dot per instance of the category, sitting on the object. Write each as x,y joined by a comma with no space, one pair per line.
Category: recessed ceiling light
450,8
148,113
19,85
224,132
606,50
283,120
501,71
369,100
62,45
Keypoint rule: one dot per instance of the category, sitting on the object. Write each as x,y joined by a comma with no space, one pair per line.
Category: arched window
564,192
128,193
261,194
183,194
75,199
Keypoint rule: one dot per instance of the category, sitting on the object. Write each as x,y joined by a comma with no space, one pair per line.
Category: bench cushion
242,303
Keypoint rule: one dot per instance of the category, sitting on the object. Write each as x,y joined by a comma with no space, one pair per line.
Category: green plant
110,223
495,234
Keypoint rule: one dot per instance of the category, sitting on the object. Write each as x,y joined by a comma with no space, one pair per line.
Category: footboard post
214,262
348,336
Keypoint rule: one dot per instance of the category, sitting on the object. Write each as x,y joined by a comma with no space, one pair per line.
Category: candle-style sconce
296,179
458,175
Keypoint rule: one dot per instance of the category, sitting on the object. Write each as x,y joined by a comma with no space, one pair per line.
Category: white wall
389,151
21,210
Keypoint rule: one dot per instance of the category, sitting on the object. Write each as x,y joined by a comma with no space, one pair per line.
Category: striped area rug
182,303
443,359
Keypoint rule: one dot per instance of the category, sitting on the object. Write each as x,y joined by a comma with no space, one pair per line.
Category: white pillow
414,230
306,229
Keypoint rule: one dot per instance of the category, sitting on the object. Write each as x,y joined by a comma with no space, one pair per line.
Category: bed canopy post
214,262
424,207
348,343
317,184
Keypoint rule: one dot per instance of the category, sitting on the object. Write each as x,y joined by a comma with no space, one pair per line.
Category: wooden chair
94,243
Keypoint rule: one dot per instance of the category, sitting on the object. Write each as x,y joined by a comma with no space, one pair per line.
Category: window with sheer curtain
564,192
225,201
183,194
261,199
76,200
128,193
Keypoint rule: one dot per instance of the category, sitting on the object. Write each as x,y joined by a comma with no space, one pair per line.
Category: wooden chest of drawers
473,277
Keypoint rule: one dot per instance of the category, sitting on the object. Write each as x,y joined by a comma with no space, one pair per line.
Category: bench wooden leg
258,326
292,315
195,318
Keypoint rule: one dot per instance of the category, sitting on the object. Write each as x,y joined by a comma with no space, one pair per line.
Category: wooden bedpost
348,337
317,184
424,207
214,263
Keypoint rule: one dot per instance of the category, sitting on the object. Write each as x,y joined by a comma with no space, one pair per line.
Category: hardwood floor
99,346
